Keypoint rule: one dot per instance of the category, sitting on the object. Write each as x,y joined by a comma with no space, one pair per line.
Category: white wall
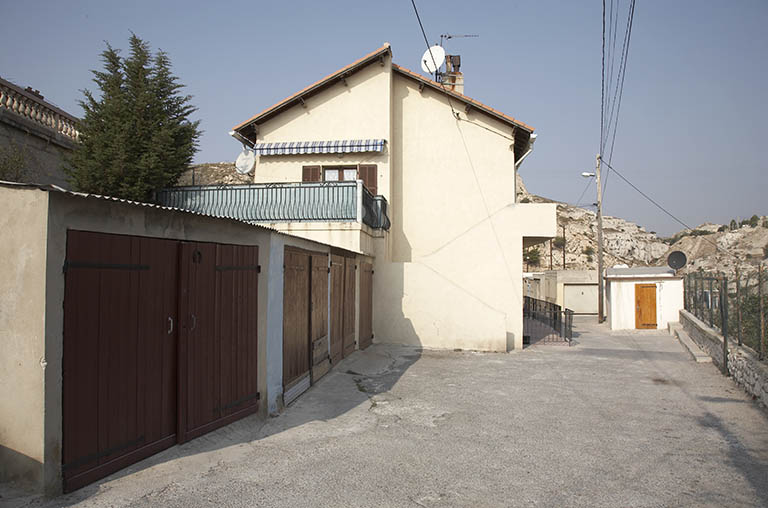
621,313
454,279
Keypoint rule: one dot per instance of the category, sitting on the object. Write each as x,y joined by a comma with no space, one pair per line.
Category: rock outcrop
213,173
624,242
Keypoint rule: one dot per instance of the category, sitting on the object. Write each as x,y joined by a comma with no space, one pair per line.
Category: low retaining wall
743,363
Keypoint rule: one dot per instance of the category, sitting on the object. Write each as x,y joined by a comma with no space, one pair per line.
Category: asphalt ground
614,420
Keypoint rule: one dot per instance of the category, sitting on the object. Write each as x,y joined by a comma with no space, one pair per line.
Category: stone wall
743,363
43,150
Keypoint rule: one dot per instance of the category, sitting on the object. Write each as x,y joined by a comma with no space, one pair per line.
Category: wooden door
219,343
348,307
296,351
645,306
199,350
319,316
366,305
337,308
119,358
237,282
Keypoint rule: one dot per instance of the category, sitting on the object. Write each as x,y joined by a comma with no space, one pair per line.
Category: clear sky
692,131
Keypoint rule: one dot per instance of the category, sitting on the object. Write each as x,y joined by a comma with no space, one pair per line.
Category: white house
449,270
643,298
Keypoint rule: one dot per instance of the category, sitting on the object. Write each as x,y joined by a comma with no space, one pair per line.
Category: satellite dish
245,161
432,59
676,260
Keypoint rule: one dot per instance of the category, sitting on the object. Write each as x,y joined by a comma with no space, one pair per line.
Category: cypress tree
136,137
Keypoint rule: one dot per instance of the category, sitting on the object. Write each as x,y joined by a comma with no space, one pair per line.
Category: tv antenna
454,36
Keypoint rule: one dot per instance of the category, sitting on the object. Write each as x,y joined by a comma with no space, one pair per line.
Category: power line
646,196
589,182
602,88
620,87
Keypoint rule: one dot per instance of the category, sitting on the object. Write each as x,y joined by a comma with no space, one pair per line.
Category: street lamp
600,294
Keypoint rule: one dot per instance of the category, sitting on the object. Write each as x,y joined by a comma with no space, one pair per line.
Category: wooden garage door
126,395
119,361
319,316
296,351
337,308
366,305
218,347
348,318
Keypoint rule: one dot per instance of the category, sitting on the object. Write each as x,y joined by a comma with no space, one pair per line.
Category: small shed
643,298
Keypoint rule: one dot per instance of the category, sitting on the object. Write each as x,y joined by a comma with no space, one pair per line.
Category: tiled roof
361,62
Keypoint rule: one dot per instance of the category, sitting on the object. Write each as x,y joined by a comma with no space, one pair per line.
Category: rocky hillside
630,244
625,242
744,247
213,173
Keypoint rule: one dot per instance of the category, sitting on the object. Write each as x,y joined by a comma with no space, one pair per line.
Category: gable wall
359,110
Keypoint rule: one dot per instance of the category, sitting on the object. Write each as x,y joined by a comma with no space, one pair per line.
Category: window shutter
367,174
311,174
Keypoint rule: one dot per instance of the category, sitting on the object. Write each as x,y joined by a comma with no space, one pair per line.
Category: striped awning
303,147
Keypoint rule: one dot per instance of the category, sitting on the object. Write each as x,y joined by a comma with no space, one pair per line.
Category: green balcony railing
282,202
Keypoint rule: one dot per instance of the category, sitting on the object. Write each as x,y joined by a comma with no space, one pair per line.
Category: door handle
170,325
194,322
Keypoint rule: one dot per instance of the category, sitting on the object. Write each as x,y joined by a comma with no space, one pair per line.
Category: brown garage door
366,305
296,351
219,285
319,316
123,396
119,362
337,307
348,319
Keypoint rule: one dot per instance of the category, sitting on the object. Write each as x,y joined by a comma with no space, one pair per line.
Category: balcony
283,202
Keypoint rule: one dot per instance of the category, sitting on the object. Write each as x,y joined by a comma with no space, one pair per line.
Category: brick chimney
453,79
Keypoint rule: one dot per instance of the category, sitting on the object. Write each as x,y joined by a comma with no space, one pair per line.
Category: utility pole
600,289
550,254
563,246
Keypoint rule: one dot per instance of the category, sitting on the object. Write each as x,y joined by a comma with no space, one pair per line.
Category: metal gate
366,305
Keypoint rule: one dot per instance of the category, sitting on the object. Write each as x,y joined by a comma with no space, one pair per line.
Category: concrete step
693,349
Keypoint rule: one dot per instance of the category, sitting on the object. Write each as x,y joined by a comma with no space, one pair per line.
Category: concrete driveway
617,420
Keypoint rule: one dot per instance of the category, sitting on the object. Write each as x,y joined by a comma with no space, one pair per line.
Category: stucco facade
449,270
621,297
35,224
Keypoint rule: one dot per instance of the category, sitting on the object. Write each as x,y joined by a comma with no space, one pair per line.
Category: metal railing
282,202
735,306
546,322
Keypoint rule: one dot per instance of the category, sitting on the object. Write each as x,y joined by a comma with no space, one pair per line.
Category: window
365,172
